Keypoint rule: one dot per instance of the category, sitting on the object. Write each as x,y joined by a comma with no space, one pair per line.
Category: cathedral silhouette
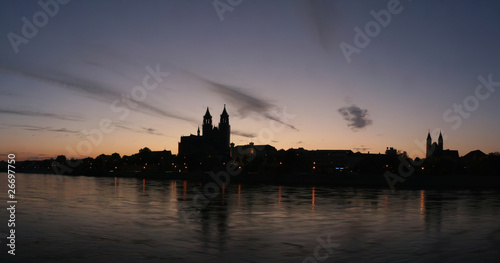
435,150
213,142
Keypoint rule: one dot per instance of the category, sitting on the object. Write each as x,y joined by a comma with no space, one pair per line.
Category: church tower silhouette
207,123
214,140
432,148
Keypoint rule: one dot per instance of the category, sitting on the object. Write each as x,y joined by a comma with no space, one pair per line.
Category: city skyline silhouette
380,76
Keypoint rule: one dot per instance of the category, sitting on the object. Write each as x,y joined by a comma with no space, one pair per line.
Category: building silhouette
213,142
436,150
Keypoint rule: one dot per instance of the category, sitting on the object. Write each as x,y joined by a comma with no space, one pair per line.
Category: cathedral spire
224,112
207,122
207,114
440,142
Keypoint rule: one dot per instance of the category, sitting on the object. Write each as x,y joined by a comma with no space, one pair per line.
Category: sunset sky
278,66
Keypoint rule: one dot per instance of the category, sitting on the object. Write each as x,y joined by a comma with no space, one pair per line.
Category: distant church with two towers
214,140
435,150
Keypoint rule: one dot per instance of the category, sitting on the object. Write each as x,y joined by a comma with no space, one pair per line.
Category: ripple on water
90,219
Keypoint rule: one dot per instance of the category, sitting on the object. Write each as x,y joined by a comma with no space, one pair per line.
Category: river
93,219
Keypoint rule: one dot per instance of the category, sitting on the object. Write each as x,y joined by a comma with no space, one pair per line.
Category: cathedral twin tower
218,136
213,142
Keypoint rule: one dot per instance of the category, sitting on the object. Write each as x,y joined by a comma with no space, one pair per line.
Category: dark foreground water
88,219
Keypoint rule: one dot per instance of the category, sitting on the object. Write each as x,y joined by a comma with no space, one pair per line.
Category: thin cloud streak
243,134
124,126
244,102
42,114
247,104
39,128
97,92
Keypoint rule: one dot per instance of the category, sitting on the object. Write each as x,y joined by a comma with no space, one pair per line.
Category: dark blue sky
263,59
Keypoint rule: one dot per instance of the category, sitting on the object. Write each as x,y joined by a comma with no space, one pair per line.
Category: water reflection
91,218
313,196
144,186
184,190
433,204
422,201
239,194
279,197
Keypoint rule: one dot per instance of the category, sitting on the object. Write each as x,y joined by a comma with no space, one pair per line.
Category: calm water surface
88,219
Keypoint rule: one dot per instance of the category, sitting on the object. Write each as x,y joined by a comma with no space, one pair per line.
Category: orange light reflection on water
223,190
422,202
279,197
239,194
313,196
184,188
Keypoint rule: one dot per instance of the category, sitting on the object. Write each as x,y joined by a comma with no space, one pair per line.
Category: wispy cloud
245,103
49,129
41,114
356,117
7,93
150,131
127,126
361,148
96,91
243,134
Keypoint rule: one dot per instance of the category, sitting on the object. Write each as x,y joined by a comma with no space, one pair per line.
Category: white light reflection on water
81,219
